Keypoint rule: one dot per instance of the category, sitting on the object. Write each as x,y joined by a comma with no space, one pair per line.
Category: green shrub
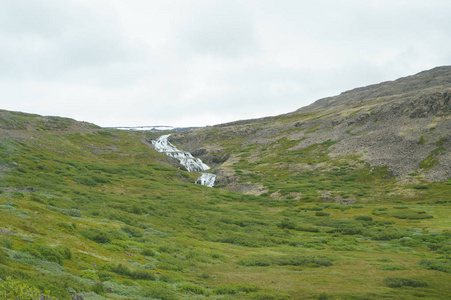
225,290
118,235
421,187
159,292
167,249
96,235
142,274
73,212
260,261
269,296
349,229
232,289
192,288
287,224
12,289
286,260
3,256
396,282
401,207
352,177
411,215
66,226
323,296
36,198
422,140
51,254
393,267
438,265
148,252
57,254
89,274
98,288
385,234
132,231
247,288
105,275
313,208
444,250
6,242
65,251
310,243
136,209
169,278
307,228
68,212
245,240
410,242
363,218
119,269
133,274
322,214
85,180
100,179
322,261
150,266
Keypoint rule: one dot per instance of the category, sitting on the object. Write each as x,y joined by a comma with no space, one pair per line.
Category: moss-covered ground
100,213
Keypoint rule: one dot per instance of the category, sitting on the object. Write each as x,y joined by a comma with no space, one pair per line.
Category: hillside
347,198
403,126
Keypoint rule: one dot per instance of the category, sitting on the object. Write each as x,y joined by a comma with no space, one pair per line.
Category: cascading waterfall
207,179
191,163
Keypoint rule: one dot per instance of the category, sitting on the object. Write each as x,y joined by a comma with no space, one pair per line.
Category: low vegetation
98,213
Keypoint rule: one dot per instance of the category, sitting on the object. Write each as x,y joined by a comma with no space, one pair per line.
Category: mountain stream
191,163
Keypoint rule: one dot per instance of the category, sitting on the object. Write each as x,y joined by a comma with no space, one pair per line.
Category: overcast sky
205,62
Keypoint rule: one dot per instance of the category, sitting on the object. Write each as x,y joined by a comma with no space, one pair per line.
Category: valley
348,198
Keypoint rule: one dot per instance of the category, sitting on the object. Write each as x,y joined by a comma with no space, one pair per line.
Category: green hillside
394,134
99,214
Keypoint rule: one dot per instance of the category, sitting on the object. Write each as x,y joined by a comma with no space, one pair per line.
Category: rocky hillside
403,125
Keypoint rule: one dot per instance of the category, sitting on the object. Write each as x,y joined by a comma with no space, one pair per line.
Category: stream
186,159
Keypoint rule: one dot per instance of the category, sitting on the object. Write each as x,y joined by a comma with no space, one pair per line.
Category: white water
207,179
191,163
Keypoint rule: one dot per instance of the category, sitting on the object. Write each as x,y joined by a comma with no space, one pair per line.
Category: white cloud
199,62
220,28
55,40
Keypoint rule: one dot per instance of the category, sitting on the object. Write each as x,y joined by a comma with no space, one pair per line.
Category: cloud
41,18
202,62
220,28
54,40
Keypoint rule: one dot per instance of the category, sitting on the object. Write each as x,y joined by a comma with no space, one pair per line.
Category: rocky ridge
404,125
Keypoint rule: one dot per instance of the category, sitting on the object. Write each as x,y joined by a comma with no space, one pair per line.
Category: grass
85,213
432,160
396,282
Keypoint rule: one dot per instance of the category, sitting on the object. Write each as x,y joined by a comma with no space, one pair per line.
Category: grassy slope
341,147
267,154
137,228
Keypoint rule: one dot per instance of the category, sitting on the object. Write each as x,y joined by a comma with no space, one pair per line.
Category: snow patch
146,128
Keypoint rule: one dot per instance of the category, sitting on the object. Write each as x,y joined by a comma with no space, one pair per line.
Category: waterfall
191,163
207,179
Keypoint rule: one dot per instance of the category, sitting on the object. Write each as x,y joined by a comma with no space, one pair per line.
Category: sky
205,62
